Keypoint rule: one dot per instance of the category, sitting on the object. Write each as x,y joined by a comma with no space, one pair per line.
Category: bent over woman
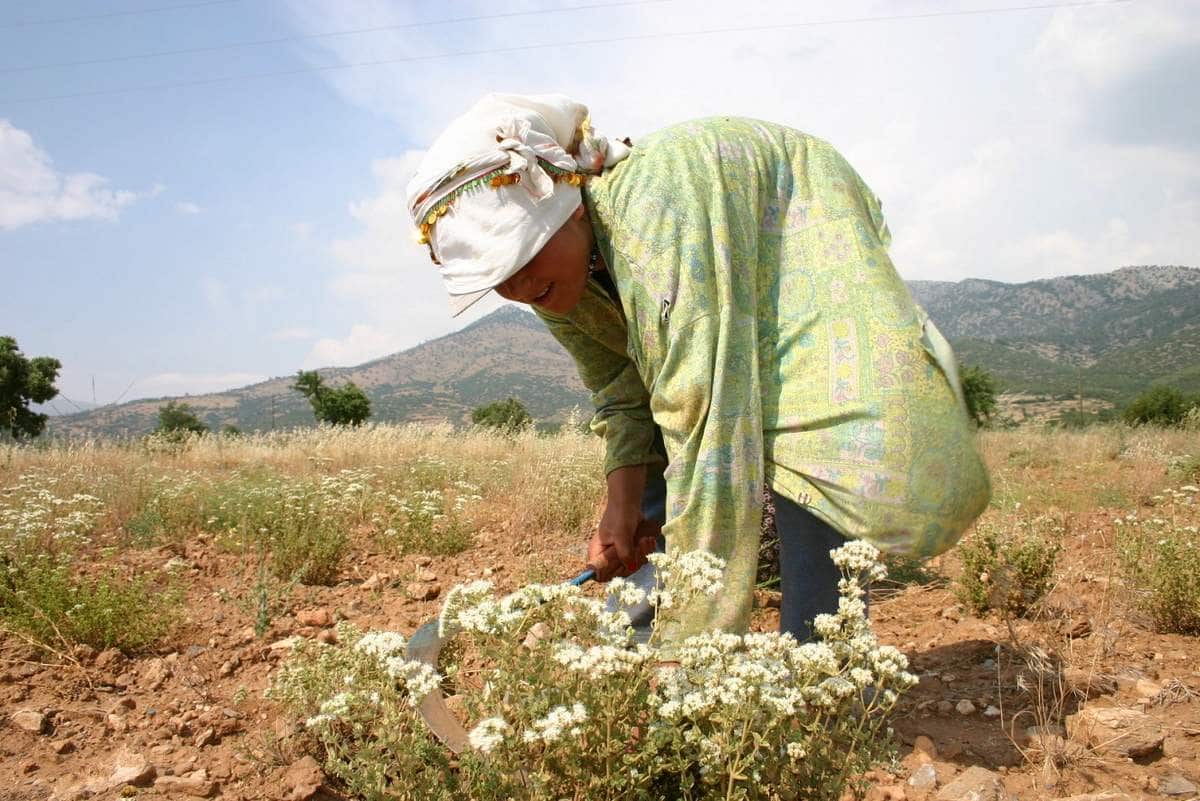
725,290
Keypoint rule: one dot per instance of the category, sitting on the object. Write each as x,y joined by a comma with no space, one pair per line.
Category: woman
725,282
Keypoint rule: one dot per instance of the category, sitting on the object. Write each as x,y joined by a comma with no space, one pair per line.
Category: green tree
24,381
979,390
346,405
509,415
178,419
1159,406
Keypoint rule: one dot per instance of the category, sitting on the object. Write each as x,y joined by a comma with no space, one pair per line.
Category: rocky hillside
1105,336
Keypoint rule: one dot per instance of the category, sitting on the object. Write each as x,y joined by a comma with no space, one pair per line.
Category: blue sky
199,237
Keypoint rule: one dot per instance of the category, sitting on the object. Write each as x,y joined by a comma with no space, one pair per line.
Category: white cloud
168,384
186,207
33,191
292,334
362,344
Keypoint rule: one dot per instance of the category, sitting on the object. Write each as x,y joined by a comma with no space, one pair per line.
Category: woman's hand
619,525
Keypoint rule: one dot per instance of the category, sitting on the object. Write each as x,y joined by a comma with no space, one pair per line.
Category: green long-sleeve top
764,329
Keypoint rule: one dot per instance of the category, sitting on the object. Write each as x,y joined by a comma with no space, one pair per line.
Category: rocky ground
1084,701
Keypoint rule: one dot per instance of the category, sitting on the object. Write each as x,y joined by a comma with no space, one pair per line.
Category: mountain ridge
1105,336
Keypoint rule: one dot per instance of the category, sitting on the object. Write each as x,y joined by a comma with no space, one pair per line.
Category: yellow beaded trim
495,180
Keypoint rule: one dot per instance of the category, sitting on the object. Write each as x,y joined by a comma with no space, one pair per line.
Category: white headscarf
499,182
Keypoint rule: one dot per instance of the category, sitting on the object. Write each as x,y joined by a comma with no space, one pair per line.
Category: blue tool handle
583,578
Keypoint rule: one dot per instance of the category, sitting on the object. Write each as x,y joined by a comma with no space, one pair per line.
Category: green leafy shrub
507,415
561,703
1159,406
1161,561
1010,571
47,601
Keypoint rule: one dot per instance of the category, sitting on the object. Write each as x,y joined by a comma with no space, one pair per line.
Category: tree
179,419
979,391
1159,406
344,405
24,381
508,415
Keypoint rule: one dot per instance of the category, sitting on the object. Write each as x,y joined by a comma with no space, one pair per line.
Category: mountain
1106,337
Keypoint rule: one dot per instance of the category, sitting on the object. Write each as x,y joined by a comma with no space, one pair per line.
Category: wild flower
489,733
559,721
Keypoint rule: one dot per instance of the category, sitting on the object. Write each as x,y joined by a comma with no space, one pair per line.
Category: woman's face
555,278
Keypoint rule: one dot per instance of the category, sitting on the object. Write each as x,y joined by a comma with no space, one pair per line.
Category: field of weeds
152,592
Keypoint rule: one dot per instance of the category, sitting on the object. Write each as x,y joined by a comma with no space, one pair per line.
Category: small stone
537,633
924,777
925,746
1146,689
1125,732
314,617
1088,684
197,786
1176,785
965,707
303,779
286,644
28,766
63,746
375,582
116,723
975,784
327,636
228,666
194,651
30,720
944,707
156,673
109,658
426,575
206,737
132,768
422,561
952,613
767,599
423,592
991,711
948,677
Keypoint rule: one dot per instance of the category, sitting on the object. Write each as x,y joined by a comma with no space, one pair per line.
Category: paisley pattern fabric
764,329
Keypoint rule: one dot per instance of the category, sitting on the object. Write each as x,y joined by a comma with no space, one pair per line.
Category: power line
576,42
107,15
326,35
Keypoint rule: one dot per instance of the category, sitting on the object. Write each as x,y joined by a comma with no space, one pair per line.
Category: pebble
423,592
991,711
426,575
965,707
944,707
30,720
303,779
924,777
195,784
976,783
314,617
422,561
132,768
1176,785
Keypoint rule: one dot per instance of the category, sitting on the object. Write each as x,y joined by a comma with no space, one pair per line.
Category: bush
979,391
562,704
1161,562
177,420
507,415
1008,572
45,600
1159,406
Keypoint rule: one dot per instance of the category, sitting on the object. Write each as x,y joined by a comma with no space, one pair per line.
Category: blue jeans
808,577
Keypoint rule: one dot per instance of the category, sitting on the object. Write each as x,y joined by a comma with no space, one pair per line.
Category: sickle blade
424,646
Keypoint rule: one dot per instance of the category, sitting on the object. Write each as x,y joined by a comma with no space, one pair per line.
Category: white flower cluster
419,678
626,592
681,577
331,710
381,644
601,660
557,721
488,734
859,557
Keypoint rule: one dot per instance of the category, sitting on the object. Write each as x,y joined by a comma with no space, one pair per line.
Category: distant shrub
979,391
1010,571
507,415
1161,561
346,405
178,420
1159,406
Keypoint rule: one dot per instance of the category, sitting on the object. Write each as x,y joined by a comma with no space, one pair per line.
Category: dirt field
188,718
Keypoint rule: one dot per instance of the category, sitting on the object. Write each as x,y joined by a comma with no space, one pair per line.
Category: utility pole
272,412
93,390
